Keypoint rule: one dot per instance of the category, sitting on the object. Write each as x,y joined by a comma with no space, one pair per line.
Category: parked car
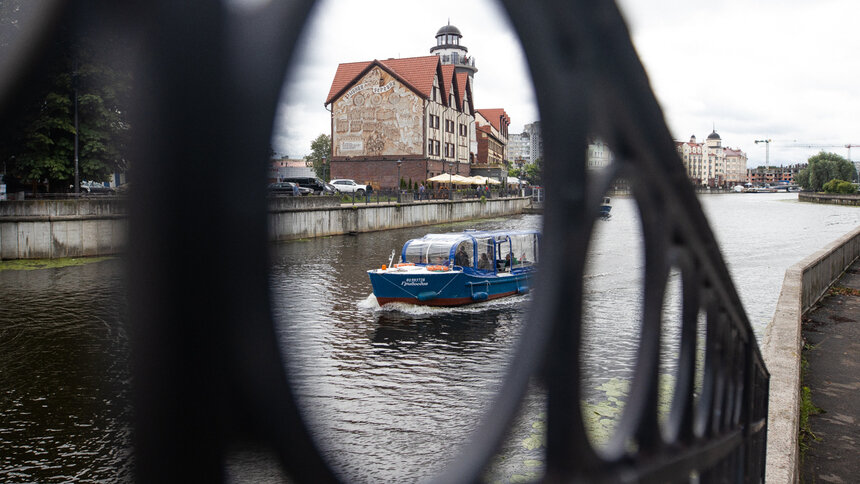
345,185
287,188
318,186
94,188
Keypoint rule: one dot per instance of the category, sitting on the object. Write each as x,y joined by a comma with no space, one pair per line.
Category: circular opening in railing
612,309
389,159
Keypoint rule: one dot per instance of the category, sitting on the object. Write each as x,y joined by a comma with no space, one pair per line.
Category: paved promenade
832,330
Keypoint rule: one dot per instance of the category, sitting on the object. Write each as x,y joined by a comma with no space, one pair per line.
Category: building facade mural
378,116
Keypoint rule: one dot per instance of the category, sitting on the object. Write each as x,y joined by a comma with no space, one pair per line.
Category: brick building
774,175
492,135
415,110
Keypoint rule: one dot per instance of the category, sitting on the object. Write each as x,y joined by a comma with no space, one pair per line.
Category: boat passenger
461,258
484,263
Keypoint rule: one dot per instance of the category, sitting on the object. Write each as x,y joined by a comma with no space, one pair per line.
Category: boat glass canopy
505,251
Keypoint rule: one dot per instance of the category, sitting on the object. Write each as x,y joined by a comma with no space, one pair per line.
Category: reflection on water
390,392
413,380
63,375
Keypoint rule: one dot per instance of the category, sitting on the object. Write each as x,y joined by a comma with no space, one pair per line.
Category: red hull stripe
451,301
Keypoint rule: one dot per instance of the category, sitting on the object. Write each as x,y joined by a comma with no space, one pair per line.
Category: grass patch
807,408
843,291
36,264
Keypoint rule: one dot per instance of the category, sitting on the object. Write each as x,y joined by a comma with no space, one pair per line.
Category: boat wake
370,303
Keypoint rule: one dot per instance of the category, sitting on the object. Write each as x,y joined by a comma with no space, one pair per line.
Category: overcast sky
785,70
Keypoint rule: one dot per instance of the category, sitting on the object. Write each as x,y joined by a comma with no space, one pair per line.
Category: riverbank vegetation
76,113
841,187
36,264
807,408
823,168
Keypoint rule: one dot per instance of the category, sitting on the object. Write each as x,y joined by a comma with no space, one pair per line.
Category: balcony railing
208,372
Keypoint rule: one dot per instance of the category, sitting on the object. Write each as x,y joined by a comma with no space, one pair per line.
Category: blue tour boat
605,208
459,268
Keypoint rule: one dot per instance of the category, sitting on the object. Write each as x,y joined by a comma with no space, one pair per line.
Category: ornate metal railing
208,371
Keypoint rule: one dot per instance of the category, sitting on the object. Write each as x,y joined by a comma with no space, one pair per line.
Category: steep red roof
447,83
416,73
345,74
462,79
494,116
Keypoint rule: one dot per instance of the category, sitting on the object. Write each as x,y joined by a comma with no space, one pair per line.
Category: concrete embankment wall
48,229
296,223
830,199
804,283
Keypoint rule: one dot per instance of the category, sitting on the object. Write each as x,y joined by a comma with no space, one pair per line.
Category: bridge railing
208,370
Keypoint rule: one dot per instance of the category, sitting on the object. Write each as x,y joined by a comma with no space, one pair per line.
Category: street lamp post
399,162
450,182
77,171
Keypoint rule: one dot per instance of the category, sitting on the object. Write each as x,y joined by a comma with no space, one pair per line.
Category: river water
390,393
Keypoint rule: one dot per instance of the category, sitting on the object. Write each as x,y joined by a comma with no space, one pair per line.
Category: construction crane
766,150
804,145
848,146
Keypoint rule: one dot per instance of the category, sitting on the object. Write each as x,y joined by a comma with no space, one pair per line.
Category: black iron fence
208,370
388,195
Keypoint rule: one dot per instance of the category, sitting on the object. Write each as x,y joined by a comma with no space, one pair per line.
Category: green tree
839,186
43,139
320,156
533,172
822,168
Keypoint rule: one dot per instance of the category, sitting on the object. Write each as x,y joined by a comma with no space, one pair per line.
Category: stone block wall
804,283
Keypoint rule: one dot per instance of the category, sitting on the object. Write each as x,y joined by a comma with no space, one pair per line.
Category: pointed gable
417,73
345,75
495,116
447,83
464,86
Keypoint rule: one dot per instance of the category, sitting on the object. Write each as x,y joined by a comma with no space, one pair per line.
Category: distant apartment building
285,167
598,154
492,134
519,149
711,164
736,167
535,140
774,175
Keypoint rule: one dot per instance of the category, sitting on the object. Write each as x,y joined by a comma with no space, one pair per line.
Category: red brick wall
383,174
379,174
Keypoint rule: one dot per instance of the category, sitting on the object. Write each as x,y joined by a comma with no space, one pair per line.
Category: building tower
450,51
